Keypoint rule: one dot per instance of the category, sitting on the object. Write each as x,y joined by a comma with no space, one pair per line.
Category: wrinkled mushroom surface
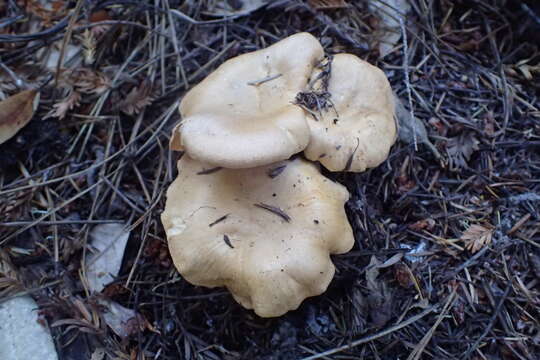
265,233
242,115
356,133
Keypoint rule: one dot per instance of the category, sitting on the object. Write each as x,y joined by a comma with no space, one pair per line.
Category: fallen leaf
123,321
137,99
88,81
476,237
390,12
99,15
438,125
411,129
380,298
61,108
103,265
10,280
46,10
459,150
403,274
427,224
15,112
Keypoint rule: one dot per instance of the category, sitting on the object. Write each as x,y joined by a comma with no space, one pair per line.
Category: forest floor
446,263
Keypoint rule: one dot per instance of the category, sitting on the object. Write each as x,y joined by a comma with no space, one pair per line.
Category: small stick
218,220
274,172
262,81
275,210
350,159
209,171
227,241
372,337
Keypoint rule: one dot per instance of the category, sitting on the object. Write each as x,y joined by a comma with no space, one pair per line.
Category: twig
66,40
407,80
374,336
491,322
262,81
419,349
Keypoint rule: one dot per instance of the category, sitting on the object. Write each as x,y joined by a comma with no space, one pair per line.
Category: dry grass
473,82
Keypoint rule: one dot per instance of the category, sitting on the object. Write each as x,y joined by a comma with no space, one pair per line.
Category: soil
446,263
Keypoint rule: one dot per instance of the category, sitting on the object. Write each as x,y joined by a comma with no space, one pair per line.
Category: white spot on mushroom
178,227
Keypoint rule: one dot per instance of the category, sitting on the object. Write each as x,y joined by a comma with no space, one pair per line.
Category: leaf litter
16,111
469,86
477,236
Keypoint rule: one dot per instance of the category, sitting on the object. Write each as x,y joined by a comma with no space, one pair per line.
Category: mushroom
266,233
357,128
242,115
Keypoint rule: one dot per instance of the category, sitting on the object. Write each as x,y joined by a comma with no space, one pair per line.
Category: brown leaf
100,15
137,99
123,321
47,11
427,224
16,111
380,297
476,237
403,274
411,129
61,108
88,81
460,149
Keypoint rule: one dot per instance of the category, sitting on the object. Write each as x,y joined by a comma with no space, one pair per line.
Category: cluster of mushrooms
246,212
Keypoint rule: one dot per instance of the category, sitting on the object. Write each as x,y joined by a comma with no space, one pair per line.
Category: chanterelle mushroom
265,233
242,115
356,128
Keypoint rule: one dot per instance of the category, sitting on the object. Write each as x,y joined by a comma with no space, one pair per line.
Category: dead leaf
459,150
476,237
380,298
61,108
16,111
123,321
327,4
88,81
403,274
99,15
426,224
109,242
10,280
137,99
390,12
411,129
47,11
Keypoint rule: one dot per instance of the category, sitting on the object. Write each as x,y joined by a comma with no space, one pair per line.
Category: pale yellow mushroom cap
242,115
265,233
358,132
